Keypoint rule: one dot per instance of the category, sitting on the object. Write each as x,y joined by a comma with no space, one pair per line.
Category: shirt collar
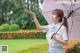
58,24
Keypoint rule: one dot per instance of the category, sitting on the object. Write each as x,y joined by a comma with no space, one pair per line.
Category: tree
9,8
13,11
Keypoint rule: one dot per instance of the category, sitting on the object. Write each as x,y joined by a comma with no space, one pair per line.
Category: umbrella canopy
71,11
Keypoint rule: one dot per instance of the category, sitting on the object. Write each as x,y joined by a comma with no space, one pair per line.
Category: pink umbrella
72,12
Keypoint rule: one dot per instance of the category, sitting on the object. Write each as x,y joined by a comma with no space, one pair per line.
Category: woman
59,39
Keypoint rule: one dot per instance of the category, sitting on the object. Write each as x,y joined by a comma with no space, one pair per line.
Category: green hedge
6,27
14,27
23,35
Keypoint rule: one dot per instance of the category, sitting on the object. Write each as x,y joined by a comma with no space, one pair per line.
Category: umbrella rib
71,5
72,24
77,8
65,5
77,14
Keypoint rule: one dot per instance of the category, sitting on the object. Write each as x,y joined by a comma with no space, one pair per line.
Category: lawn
15,45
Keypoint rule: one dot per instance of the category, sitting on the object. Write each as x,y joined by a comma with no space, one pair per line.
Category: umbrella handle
53,35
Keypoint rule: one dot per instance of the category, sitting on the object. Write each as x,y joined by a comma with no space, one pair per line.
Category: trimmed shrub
23,35
14,27
30,35
75,49
4,27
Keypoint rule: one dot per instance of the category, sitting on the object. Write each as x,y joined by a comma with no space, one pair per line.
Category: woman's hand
59,39
34,18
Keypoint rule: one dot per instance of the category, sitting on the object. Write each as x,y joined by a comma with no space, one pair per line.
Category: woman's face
55,18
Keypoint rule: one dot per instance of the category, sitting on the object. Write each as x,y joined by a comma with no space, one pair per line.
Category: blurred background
18,31
12,14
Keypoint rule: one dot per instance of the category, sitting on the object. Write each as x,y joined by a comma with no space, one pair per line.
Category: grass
37,49
15,45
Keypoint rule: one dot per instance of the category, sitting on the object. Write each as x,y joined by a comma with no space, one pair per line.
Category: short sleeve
64,33
45,28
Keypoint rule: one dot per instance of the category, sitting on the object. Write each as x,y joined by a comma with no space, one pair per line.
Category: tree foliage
12,12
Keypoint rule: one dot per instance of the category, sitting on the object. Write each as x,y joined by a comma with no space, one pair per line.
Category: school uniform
54,46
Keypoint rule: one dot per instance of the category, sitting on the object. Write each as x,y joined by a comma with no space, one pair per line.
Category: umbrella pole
62,23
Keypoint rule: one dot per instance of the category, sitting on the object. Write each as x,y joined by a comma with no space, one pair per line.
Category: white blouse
51,29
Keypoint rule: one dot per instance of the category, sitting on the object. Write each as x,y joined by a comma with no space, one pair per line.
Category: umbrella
71,11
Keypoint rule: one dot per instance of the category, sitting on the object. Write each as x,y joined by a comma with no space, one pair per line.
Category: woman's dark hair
60,14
